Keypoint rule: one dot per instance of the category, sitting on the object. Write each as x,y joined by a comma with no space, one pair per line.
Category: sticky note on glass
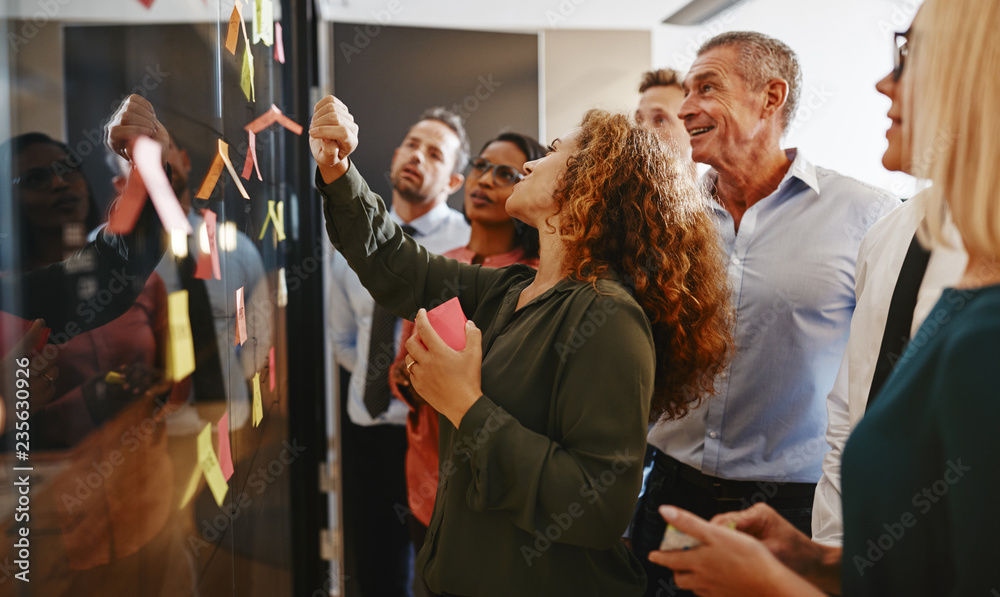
246,75
224,154
232,34
192,486
241,318
220,161
210,465
282,288
225,450
275,216
180,349
251,162
263,23
273,114
448,320
208,256
270,368
258,404
146,155
279,44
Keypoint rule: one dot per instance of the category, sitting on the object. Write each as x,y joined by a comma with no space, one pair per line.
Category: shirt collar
801,169
427,223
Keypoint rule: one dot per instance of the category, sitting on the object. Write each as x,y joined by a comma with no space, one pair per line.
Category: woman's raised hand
333,136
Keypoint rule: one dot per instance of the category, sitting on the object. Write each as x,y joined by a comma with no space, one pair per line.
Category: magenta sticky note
225,452
448,321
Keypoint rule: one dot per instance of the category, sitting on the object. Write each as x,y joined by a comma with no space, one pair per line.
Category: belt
725,489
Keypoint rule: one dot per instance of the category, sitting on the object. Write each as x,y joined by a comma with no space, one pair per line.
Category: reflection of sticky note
224,154
448,320
208,183
282,288
251,161
210,465
180,352
146,155
232,35
126,209
241,318
225,451
279,44
246,75
192,486
275,216
208,263
270,368
258,405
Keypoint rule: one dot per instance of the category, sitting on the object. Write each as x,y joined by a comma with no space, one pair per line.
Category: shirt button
713,434
735,260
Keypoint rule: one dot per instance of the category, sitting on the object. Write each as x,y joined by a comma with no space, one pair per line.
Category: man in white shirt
426,169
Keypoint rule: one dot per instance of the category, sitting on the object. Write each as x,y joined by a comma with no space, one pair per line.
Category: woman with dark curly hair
544,413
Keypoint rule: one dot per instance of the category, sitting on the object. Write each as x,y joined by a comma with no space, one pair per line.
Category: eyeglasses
503,176
900,50
41,179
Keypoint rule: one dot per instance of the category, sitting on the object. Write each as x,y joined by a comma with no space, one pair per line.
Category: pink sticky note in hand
448,320
270,368
225,452
146,155
126,209
241,318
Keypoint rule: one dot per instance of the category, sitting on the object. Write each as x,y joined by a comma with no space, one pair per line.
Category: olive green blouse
540,479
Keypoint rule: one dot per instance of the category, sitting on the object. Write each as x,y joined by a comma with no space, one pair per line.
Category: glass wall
149,443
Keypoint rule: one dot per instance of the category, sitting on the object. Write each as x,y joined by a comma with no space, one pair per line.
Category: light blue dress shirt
791,266
349,321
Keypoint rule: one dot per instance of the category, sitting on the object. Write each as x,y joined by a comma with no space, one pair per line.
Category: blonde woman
920,471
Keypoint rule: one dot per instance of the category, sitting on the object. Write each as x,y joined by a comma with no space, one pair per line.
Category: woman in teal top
921,471
544,414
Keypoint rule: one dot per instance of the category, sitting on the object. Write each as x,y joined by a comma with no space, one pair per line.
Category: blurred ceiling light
179,243
227,237
697,12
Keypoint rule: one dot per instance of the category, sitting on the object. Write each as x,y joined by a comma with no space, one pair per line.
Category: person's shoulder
607,295
846,187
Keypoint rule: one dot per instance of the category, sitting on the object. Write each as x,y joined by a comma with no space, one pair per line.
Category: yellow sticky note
275,216
210,465
246,75
191,488
263,22
258,406
180,349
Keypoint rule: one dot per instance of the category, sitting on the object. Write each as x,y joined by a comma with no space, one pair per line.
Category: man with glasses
426,168
791,231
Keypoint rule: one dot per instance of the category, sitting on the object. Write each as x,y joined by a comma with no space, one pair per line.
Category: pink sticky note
208,264
146,155
126,209
289,124
251,162
264,120
241,318
448,321
279,44
270,368
225,452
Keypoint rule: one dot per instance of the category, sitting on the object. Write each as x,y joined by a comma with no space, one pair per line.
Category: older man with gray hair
791,231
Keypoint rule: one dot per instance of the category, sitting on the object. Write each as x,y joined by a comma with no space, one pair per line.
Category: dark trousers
376,533
418,533
673,483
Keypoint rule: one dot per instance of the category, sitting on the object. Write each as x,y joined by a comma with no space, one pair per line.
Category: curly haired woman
544,413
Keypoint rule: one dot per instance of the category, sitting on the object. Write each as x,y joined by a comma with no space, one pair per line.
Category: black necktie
207,376
900,317
381,353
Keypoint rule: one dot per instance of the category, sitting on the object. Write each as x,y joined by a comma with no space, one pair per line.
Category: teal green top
921,473
539,481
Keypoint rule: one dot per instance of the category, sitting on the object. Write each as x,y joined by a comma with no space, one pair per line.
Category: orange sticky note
180,344
208,183
241,318
146,156
270,368
126,209
210,465
225,451
258,405
279,44
208,263
232,35
251,161
224,154
268,118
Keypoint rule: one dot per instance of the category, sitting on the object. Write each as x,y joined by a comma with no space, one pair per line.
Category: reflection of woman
495,242
545,413
919,472
113,523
